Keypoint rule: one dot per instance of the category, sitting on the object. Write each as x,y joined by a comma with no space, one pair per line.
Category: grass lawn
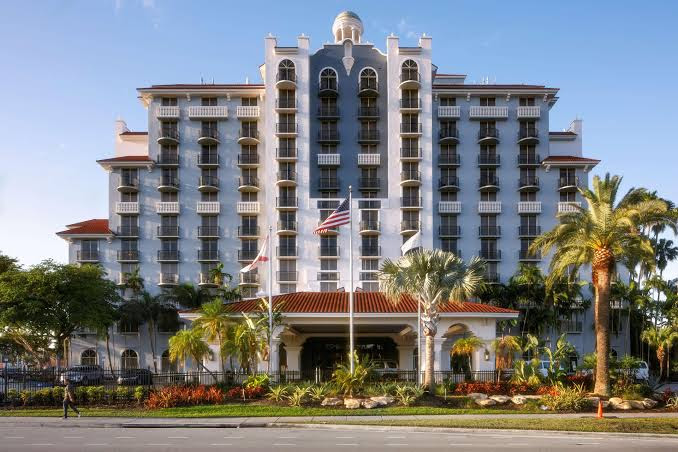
628,425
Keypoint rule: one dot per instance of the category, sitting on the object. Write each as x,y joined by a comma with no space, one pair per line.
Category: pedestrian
69,398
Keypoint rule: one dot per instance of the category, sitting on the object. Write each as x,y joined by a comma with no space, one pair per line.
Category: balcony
489,183
408,226
571,326
368,136
247,207
128,231
248,159
368,88
248,231
528,113
329,159
410,79
488,135
568,183
529,207
328,89
129,208
489,112
286,154
369,159
529,160
410,179
449,206
448,135
287,251
328,136
569,207
328,112
87,256
368,112
411,202
167,112
208,207
525,255
528,183
168,183
490,255
168,159
208,160
208,112
286,203
168,279
168,256
411,104
286,178
409,129
286,276
167,208
528,135
286,129
208,255
489,231
247,255
248,183
492,277
286,104
449,231
168,135
248,136
529,231
249,279
489,207
167,232
206,280
448,183
286,79
247,112
287,227
208,183
208,232
489,160
128,184
410,153
369,183
328,251
449,159
449,111
208,135
128,256
328,183
368,276
367,227
370,251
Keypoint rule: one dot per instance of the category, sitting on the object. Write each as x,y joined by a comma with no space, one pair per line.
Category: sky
68,69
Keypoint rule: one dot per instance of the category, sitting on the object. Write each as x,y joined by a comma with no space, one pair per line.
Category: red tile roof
205,86
569,158
127,158
364,302
88,227
490,87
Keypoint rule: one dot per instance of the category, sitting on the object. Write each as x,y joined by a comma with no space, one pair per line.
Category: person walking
69,399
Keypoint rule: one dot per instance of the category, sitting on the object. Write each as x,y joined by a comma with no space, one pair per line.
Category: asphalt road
281,439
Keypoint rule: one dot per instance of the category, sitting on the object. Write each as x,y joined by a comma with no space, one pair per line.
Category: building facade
473,167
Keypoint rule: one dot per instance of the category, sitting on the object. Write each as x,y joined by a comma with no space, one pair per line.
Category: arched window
88,358
410,71
328,79
129,360
286,71
166,365
368,79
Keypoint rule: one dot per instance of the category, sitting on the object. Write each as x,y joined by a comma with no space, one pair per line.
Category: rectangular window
487,101
248,101
208,101
328,286
448,101
169,101
526,101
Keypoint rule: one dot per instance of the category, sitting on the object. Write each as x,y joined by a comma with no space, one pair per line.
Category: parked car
643,371
135,377
544,368
83,375
386,368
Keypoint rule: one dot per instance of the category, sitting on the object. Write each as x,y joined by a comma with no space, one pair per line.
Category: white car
643,371
544,368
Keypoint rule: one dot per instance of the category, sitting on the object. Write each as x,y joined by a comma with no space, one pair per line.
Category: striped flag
260,259
337,218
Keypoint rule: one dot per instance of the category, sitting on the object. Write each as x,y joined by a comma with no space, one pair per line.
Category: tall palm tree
661,339
465,347
665,252
250,340
213,321
189,296
528,287
432,278
189,344
600,235
134,281
505,348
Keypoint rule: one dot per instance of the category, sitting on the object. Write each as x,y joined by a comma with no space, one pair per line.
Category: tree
189,344
505,348
214,321
601,235
188,296
134,281
665,252
8,263
432,278
661,339
465,347
249,337
51,301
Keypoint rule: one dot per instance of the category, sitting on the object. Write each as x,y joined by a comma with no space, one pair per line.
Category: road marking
158,444
97,444
587,444
287,437
344,437
395,437
177,437
234,437
396,444
41,444
283,444
346,444
125,437
221,444
14,437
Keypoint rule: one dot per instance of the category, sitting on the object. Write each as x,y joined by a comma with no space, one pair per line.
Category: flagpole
350,270
418,342
270,301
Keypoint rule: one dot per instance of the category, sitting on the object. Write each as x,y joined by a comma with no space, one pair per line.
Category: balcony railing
208,182
246,207
566,182
489,159
128,231
328,183
367,85
208,159
492,277
208,231
528,132
168,255
208,255
410,225
286,103
489,181
327,276
410,103
370,251
529,159
127,207
528,181
249,278
369,183
491,255
529,207
329,159
248,231
328,135
528,112
489,207
87,256
168,158
247,111
448,133
208,135
248,135
368,112
525,255
129,182
208,112
286,128
169,279
531,230
208,207
488,133
286,276
286,202
247,255
168,231
368,135
449,206
328,111
410,176
569,207
448,182
167,112
369,276
407,76
410,128
479,112
449,111
411,201
449,231
287,251
168,182
571,326
489,231
167,207
448,158
328,251
369,159
168,135
128,255
410,153
369,225
287,226
286,76
248,181
286,153
326,87
250,158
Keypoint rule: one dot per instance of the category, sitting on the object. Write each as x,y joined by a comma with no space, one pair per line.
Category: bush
254,381
408,394
630,391
567,399
278,393
298,396
176,396
350,383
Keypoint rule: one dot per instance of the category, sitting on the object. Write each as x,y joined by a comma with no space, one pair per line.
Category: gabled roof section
569,160
89,228
127,161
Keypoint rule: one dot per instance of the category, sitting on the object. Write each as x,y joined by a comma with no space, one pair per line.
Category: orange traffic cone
600,409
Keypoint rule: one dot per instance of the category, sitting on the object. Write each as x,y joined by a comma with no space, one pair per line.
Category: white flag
412,242
260,259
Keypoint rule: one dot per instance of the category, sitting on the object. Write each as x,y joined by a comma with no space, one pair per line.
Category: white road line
283,444
395,437
177,437
344,437
221,444
73,437
96,444
346,444
287,437
41,444
396,444
125,437
234,437
587,444
159,444
14,437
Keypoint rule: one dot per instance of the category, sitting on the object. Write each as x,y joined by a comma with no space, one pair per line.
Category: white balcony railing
567,207
208,207
329,159
369,159
122,278
489,207
208,112
451,111
167,112
529,207
167,207
248,207
529,112
449,207
488,112
127,207
168,278
243,111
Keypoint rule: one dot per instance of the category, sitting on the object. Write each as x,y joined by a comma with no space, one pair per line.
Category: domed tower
347,25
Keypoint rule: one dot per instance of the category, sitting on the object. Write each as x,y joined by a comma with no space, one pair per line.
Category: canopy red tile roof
127,158
88,227
569,158
364,302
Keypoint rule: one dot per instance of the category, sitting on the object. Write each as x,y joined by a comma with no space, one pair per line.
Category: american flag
340,216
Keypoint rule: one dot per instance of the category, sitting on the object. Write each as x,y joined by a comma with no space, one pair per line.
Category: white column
440,362
405,356
353,34
293,357
274,355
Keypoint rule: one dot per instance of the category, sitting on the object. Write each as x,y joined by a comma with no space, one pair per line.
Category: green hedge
84,395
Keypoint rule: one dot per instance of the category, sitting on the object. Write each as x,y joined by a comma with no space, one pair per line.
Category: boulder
636,404
383,400
614,401
352,404
594,401
477,396
518,400
533,397
331,401
623,406
500,399
543,407
485,402
369,404
649,403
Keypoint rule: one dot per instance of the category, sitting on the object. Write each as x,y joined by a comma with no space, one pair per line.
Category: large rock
533,397
485,402
594,401
636,404
383,400
614,401
543,407
623,406
352,404
331,401
477,396
649,403
518,400
369,404
500,399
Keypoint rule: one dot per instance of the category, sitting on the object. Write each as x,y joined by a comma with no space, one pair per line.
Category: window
370,286
128,327
169,154
487,101
528,196
208,101
168,322
449,245
488,196
370,265
169,101
210,196
488,128
368,79
286,70
328,286
448,101
166,365
129,360
409,71
252,101
169,196
129,197
526,101
88,358
288,288
568,196
89,249
328,79
572,322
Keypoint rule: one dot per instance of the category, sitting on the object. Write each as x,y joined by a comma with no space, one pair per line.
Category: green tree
432,278
600,235
661,339
189,344
213,321
189,296
505,348
8,264
465,347
134,281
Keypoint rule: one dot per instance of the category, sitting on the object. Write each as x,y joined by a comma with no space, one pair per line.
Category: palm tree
665,252
250,340
189,344
217,274
188,296
214,321
465,347
432,278
505,348
661,339
134,281
601,236
528,288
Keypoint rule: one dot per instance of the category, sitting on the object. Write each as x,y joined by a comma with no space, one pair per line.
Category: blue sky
69,68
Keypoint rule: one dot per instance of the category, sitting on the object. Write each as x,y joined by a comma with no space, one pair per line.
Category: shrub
278,393
235,393
408,394
586,380
261,380
298,395
319,392
350,383
631,391
569,399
